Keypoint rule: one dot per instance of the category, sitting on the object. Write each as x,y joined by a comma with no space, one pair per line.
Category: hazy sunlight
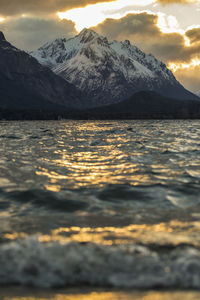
92,15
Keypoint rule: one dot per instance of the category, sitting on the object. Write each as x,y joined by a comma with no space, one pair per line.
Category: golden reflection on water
53,188
89,160
94,173
114,295
174,233
94,154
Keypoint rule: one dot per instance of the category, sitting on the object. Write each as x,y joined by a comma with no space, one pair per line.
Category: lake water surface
100,203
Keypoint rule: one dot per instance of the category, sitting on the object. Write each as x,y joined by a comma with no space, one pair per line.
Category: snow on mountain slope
108,72
61,50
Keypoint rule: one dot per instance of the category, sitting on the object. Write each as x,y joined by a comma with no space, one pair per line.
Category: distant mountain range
108,72
102,80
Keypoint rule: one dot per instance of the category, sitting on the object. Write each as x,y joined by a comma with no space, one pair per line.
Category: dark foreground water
108,204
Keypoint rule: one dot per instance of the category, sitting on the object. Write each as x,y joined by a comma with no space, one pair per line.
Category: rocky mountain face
25,83
108,72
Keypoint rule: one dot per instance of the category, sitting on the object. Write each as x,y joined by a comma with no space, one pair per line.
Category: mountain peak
87,31
127,42
108,72
87,35
2,37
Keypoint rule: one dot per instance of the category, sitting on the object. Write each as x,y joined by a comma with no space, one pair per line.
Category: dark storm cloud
194,35
15,7
31,33
132,24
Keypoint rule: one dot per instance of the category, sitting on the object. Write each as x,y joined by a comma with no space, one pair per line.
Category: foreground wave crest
31,262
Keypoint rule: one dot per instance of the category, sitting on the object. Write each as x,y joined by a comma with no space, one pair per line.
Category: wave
66,201
154,196
52,264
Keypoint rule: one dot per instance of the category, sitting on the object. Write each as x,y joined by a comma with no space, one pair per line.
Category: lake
109,204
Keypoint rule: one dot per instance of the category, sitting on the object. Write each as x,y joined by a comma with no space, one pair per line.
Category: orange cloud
189,77
195,62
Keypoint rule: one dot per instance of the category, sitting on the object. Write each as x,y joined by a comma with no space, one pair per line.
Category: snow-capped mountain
108,72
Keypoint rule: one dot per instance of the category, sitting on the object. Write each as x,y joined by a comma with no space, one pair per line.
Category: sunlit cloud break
2,19
97,13
177,66
92,15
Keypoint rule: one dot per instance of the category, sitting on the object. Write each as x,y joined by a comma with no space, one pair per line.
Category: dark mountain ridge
24,83
145,105
142,105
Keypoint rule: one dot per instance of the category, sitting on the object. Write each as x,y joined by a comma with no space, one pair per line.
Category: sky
169,29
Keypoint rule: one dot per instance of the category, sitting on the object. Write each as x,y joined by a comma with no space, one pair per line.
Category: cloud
99,12
31,33
189,78
17,7
194,35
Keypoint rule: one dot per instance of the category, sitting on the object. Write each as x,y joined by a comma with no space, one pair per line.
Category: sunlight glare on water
99,295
